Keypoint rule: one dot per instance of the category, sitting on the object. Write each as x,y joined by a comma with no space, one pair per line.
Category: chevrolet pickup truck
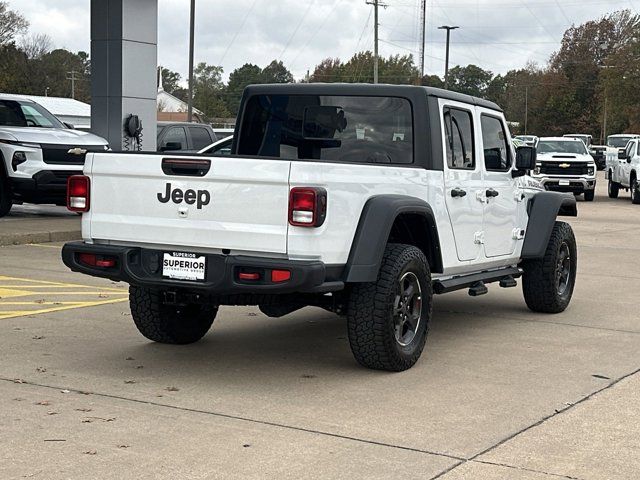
364,200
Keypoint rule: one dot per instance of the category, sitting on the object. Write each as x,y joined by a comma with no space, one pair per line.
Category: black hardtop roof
365,89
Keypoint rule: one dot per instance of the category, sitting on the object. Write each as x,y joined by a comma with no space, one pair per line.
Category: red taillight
92,260
252,277
78,193
278,276
307,206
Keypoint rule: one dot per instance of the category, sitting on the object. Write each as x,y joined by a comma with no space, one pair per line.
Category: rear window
332,128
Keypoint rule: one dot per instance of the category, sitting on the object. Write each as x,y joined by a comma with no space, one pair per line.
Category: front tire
635,191
548,282
589,195
5,195
613,188
388,320
162,323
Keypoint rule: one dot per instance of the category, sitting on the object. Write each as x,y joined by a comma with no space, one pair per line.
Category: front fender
543,210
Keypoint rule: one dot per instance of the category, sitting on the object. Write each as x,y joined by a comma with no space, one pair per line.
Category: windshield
15,113
562,146
584,138
618,142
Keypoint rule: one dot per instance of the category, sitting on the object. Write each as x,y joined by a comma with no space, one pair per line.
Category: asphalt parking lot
500,393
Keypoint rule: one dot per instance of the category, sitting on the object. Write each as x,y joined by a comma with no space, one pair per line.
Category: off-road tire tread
538,280
5,194
158,323
368,310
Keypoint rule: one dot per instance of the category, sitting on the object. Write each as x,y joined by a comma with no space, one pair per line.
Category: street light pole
446,64
191,41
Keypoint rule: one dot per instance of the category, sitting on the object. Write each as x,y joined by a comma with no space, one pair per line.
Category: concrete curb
39,237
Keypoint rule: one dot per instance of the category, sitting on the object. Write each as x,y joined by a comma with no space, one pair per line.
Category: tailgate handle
185,167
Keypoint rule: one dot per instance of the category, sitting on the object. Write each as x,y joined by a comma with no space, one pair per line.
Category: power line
244,20
297,28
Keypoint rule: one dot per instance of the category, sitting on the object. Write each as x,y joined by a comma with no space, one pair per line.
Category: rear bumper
47,186
143,267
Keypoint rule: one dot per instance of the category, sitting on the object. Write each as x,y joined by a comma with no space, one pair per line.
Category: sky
497,35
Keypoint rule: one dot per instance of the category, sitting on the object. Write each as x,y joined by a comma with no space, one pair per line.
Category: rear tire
613,188
388,320
5,195
162,323
548,282
635,191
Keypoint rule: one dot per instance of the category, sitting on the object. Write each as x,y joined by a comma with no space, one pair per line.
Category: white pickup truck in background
363,200
623,172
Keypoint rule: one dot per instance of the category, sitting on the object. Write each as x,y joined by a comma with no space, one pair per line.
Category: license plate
564,182
184,266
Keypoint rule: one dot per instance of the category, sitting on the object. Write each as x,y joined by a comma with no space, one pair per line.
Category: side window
458,126
629,149
638,149
200,137
496,148
175,135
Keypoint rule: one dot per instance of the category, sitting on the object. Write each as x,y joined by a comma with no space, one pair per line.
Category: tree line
31,66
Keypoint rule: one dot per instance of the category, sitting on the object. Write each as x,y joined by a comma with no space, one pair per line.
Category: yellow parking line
22,313
59,247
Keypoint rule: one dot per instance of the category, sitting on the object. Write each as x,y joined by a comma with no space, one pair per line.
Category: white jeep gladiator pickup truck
364,200
623,172
38,153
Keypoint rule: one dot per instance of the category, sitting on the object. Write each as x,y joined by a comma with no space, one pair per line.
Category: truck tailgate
238,204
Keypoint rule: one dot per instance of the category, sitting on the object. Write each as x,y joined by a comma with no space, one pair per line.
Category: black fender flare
543,210
377,218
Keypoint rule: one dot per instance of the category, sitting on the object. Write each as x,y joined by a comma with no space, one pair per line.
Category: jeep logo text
200,198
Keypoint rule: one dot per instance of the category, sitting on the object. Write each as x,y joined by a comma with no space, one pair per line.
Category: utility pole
191,41
423,20
446,64
604,121
376,4
72,76
526,107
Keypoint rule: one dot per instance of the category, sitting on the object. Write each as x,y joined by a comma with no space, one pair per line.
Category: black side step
466,281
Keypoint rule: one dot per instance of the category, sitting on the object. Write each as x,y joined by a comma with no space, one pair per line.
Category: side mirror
525,160
171,147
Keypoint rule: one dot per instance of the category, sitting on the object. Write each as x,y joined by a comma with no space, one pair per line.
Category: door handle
458,192
492,193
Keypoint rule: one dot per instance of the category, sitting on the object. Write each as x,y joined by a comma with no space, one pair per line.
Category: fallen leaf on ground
85,393
90,452
124,446
129,381
19,399
52,413
41,301
83,409
41,369
102,295
18,380
43,402
139,366
65,391
37,337
129,358
172,389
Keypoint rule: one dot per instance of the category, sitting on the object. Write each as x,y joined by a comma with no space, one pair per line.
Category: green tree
471,80
209,91
170,81
238,79
276,72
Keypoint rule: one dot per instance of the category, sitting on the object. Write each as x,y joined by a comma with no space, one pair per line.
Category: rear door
236,204
462,178
625,164
501,193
